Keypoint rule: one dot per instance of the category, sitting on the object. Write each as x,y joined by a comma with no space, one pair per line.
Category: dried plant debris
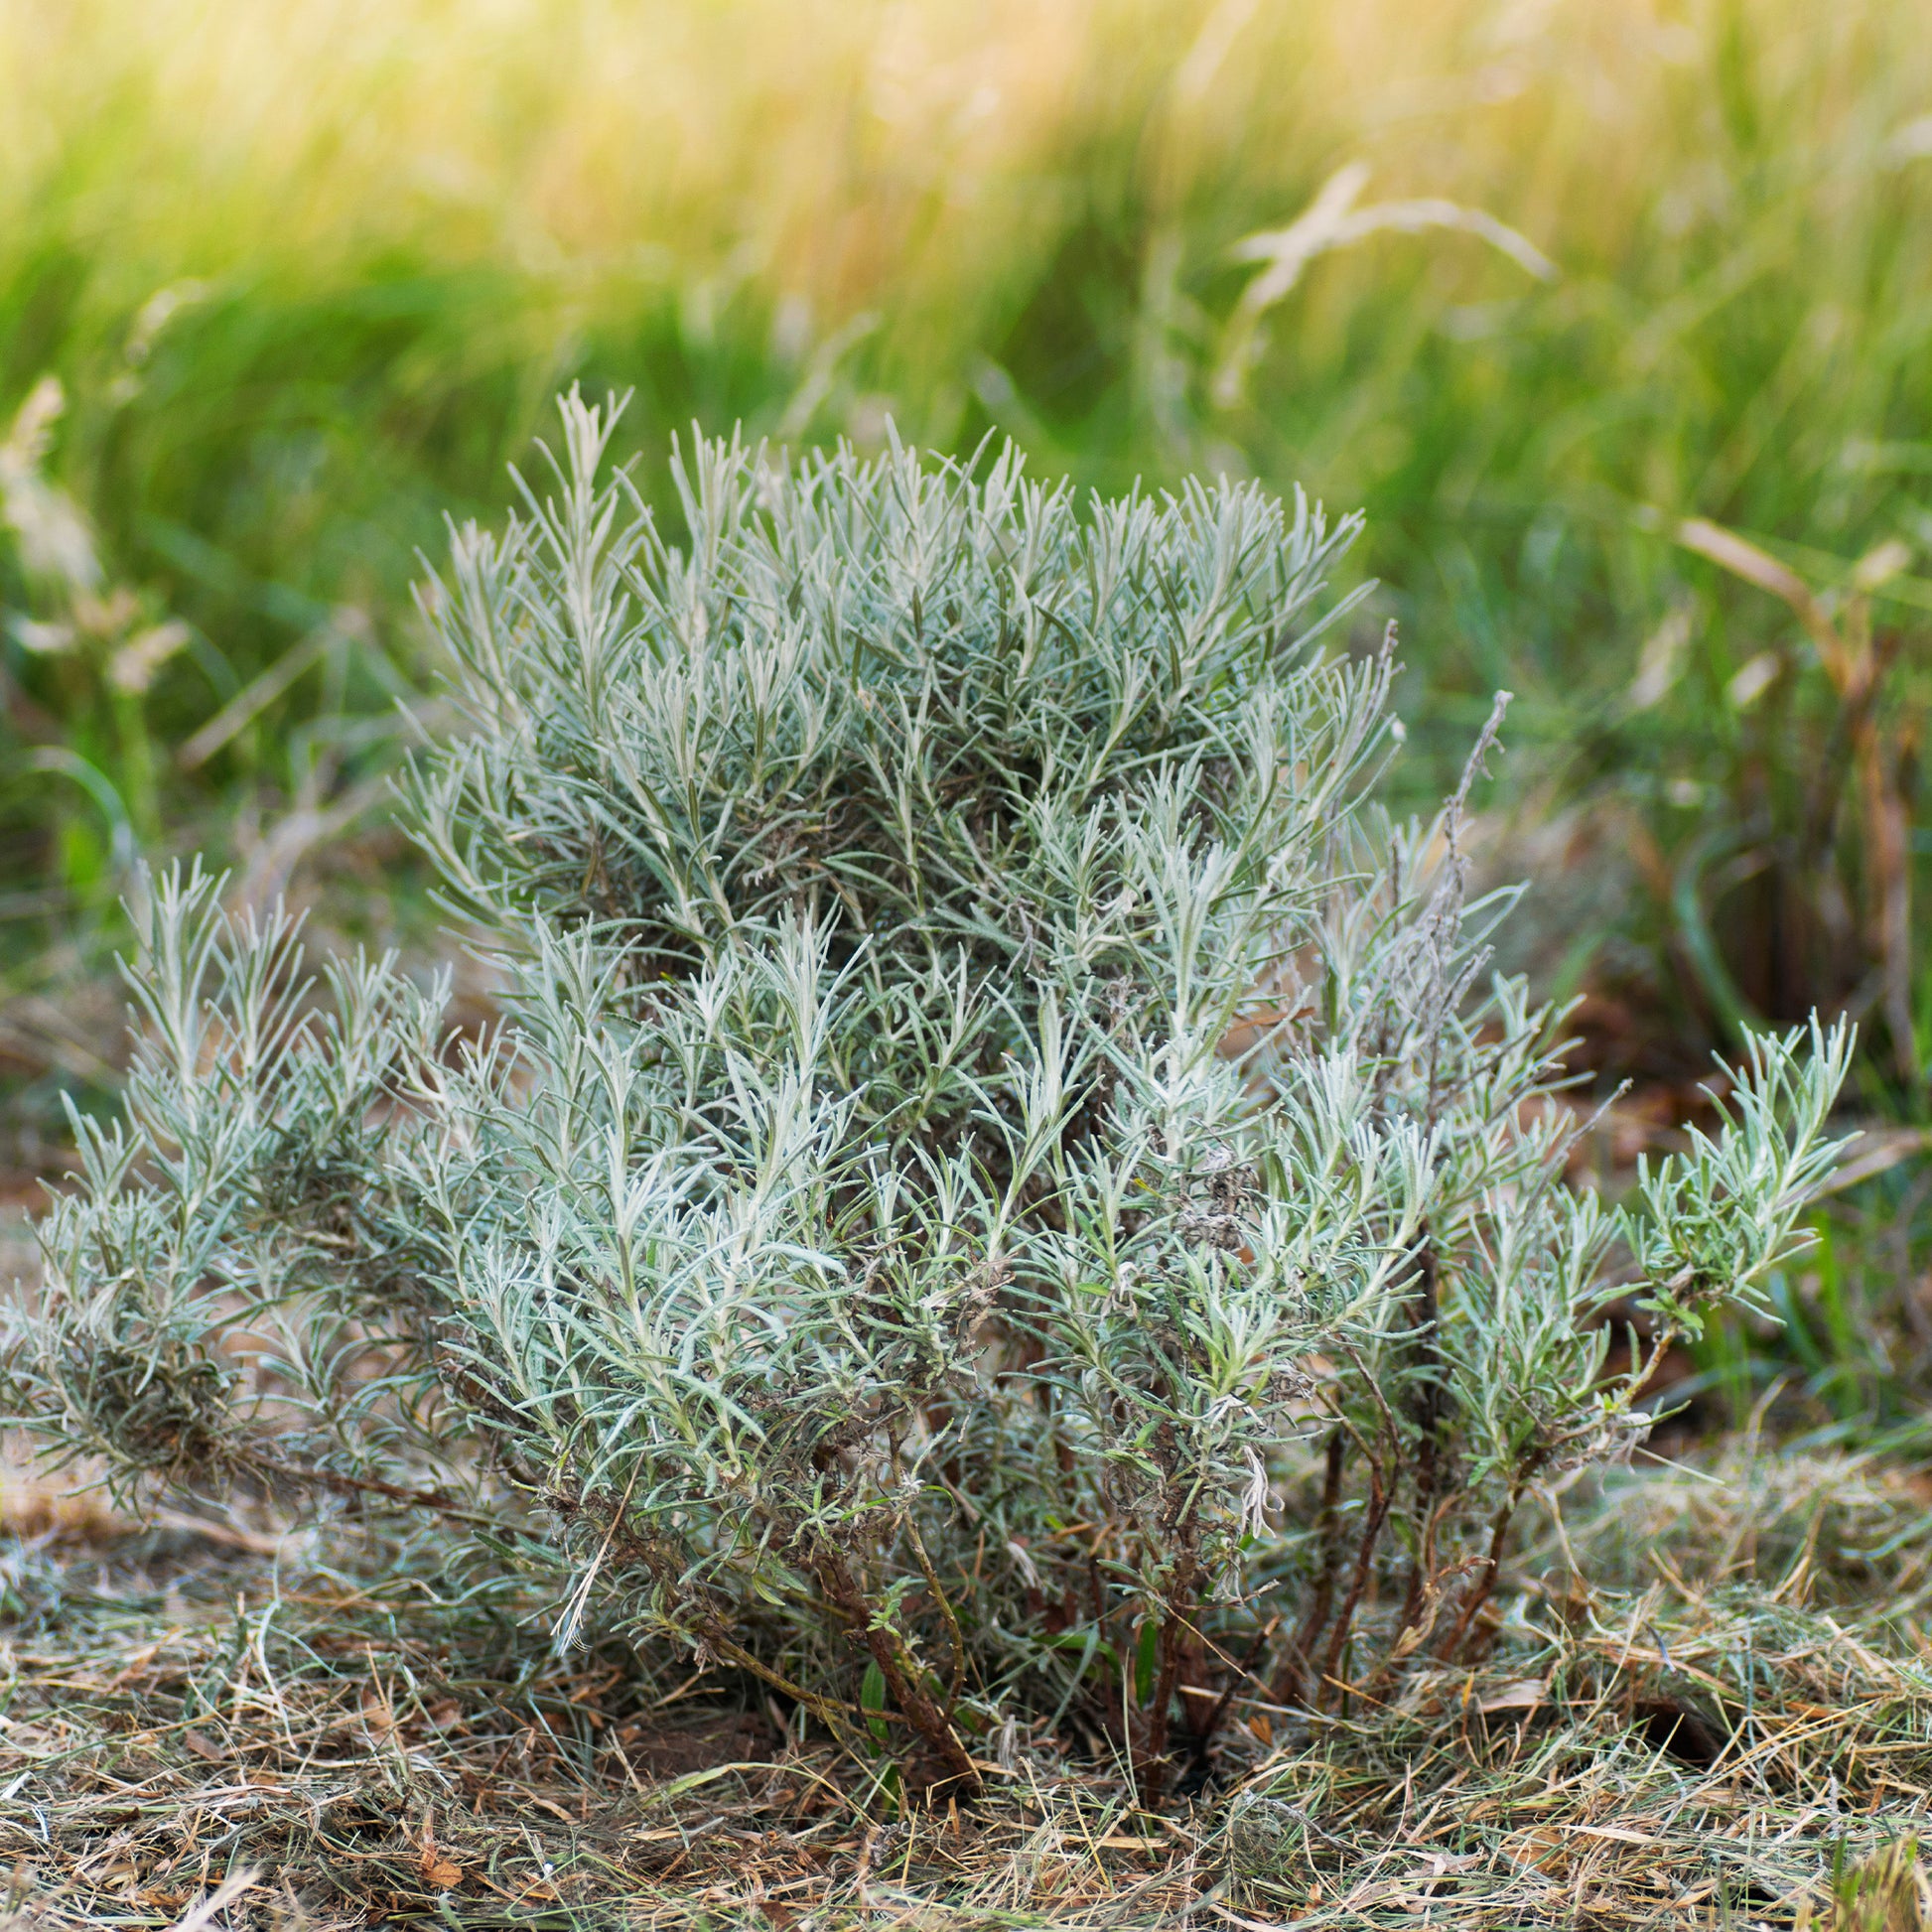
317,1730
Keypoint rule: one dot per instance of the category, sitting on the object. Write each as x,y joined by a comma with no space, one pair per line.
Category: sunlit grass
310,272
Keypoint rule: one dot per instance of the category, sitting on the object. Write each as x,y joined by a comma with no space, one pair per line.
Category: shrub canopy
1003,1192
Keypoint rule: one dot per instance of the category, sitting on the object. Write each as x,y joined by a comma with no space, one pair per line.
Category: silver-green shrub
1004,1188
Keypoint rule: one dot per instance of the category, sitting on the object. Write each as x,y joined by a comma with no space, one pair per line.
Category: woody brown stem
1426,1412
827,1713
271,1472
901,1673
1243,1673
953,1636
1292,1681
1485,1584
1376,1517
1173,1632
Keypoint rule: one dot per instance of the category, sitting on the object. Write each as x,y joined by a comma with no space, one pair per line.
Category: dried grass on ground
320,1730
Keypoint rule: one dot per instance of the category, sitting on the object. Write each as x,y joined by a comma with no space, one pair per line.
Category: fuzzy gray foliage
1004,1188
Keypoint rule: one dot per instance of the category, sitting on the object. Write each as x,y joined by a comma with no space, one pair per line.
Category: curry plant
1004,1188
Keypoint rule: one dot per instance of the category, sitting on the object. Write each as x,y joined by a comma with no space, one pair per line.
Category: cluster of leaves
989,1119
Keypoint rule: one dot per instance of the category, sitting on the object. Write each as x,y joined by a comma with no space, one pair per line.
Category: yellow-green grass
309,271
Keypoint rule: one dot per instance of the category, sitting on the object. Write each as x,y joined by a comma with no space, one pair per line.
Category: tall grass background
1536,282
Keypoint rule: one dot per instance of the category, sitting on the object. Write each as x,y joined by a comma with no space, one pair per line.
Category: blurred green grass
307,275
